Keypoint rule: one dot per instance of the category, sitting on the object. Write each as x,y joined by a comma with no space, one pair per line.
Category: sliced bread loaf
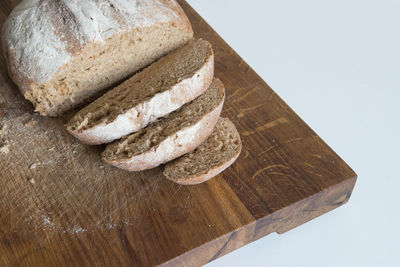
212,157
177,134
163,87
59,53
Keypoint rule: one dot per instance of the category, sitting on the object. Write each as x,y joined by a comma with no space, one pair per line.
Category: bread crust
183,142
141,115
36,45
184,20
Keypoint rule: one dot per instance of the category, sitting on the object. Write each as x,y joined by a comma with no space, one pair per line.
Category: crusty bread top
157,78
39,37
155,133
222,146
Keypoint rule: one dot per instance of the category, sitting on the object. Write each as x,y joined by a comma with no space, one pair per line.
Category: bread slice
171,137
212,157
163,87
60,53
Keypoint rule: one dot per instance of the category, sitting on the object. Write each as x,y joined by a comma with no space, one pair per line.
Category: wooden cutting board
60,205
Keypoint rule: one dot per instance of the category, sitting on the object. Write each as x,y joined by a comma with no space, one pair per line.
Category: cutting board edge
280,221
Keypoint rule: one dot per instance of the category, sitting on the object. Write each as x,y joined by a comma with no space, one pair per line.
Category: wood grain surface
60,205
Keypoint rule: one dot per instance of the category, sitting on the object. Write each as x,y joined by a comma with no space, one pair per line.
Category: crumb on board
4,148
34,165
3,129
31,180
51,149
30,122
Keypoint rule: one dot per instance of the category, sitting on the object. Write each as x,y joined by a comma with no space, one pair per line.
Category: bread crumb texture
220,148
157,132
155,79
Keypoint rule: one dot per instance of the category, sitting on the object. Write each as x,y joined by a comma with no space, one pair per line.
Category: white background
337,64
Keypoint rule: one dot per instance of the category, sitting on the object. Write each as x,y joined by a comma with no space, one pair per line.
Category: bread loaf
159,89
212,157
60,53
177,134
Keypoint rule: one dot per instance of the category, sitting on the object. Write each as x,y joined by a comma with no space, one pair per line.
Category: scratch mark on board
234,94
243,111
277,173
271,95
268,168
228,109
245,95
267,150
172,196
265,126
309,165
294,140
317,174
246,155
